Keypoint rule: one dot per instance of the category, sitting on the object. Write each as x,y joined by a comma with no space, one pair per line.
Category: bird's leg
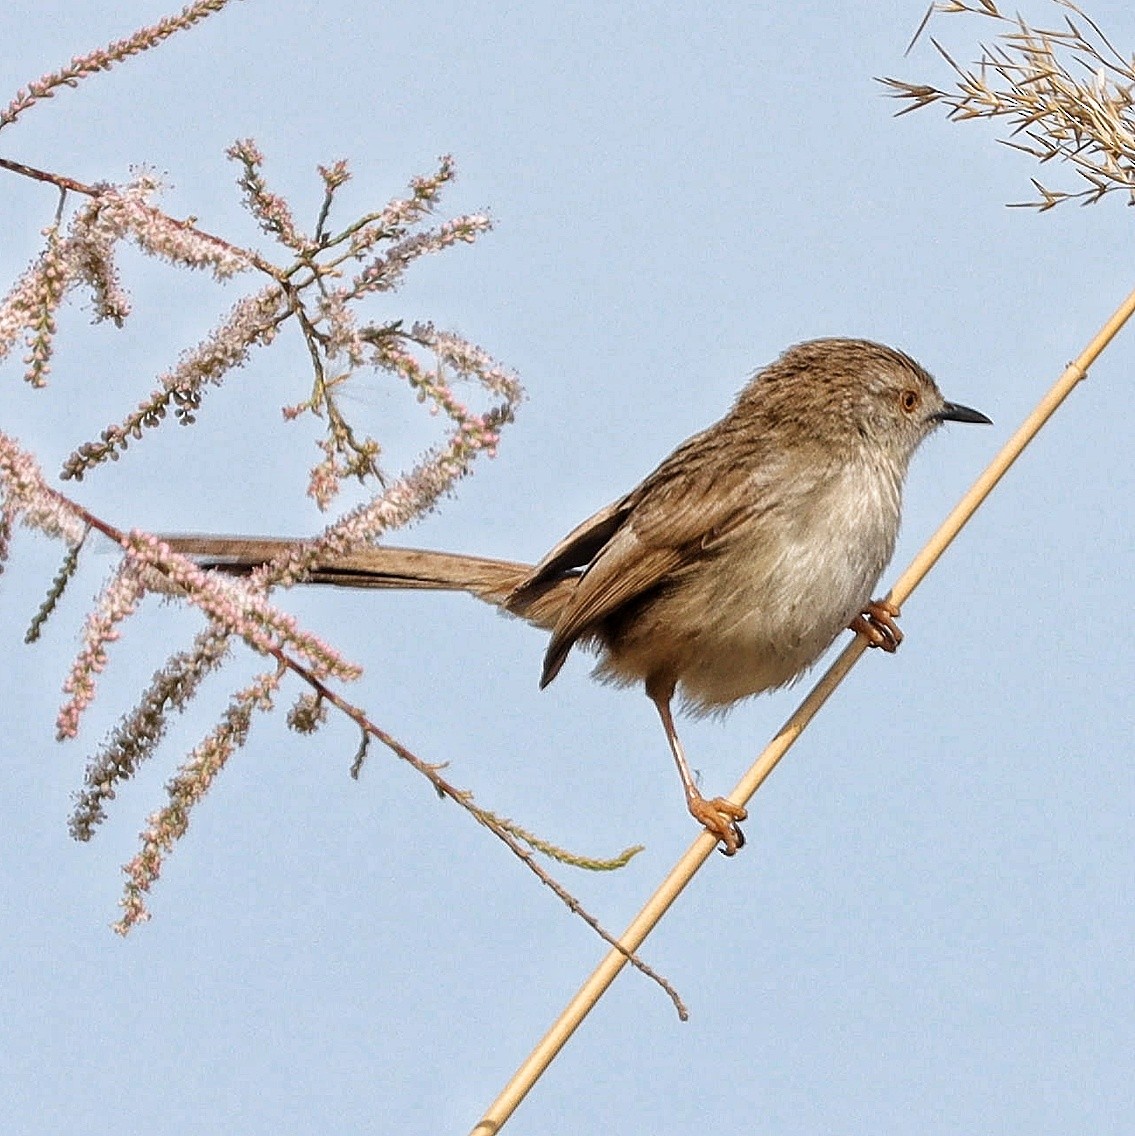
876,623
719,816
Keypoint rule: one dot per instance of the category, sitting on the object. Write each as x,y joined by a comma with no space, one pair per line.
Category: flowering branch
104,58
338,345
321,285
138,735
189,785
234,607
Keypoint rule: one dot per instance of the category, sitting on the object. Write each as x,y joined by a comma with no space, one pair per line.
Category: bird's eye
909,401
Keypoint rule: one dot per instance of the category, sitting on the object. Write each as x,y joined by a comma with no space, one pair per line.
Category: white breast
794,583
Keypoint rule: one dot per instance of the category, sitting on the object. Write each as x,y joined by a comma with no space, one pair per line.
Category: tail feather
497,582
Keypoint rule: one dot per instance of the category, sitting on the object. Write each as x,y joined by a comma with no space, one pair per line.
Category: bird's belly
772,616
755,645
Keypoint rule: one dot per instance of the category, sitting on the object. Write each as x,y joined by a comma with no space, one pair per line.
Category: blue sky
931,926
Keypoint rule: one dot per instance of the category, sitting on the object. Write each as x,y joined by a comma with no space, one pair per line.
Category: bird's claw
720,818
876,623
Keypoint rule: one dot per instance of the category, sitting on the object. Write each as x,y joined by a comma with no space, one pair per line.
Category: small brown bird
733,567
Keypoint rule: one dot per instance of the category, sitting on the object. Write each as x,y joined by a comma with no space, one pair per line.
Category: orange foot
877,625
720,818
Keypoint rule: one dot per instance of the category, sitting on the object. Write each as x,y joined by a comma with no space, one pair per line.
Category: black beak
955,412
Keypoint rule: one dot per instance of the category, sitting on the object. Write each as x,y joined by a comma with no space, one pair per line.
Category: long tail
494,581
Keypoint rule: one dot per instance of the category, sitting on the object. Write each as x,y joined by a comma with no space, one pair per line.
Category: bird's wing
581,545
673,518
623,570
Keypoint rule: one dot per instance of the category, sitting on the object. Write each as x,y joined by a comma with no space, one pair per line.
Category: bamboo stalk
701,849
